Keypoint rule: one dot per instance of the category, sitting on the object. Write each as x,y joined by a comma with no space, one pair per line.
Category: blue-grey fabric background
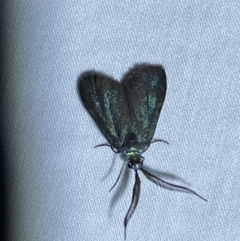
56,177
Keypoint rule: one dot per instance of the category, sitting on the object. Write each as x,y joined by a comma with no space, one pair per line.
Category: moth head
135,162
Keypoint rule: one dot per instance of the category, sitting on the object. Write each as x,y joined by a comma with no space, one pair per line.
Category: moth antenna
134,202
168,185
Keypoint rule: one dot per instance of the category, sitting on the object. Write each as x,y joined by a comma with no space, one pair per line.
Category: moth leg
160,140
120,173
114,150
157,140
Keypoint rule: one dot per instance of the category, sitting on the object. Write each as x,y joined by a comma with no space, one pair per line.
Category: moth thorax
135,162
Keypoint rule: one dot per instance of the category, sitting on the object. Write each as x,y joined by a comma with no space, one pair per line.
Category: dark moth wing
104,99
145,89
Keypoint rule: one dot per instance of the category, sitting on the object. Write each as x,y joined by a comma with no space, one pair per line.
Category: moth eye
130,165
135,163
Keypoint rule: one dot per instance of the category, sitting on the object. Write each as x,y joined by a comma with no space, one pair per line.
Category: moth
127,113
